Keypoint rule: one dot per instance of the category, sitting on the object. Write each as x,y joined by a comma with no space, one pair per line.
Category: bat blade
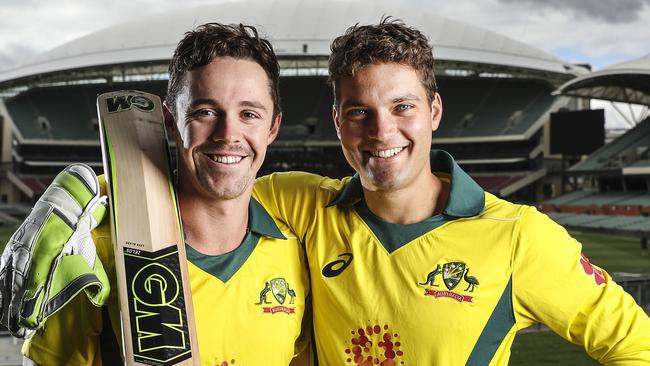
153,284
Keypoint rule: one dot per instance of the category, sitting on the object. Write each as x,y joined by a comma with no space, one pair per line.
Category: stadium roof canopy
296,28
627,82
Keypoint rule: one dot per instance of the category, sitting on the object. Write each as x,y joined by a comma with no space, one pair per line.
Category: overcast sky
586,31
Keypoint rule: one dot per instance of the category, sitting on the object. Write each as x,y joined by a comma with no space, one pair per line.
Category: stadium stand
591,201
629,149
13,214
65,112
307,110
625,225
494,89
503,185
491,107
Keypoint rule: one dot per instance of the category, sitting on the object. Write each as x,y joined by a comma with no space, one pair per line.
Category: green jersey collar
260,222
224,266
466,197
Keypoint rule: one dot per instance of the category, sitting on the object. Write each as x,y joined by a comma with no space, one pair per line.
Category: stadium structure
496,93
614,194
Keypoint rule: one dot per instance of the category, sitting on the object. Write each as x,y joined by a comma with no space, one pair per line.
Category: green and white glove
52,257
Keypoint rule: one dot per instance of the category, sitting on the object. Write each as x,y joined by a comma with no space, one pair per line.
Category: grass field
545,349
614,253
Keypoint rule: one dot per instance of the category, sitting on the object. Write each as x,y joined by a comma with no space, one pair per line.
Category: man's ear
436,112
337,121
275,128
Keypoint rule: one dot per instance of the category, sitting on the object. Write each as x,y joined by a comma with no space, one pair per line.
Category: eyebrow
406,97
214,102
252,104
351,103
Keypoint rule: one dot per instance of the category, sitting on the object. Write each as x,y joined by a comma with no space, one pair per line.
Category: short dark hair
389,41
209,41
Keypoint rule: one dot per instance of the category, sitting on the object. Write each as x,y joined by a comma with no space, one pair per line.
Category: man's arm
294,197
555,284
69,337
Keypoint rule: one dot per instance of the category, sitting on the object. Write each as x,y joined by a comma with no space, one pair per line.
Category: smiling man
248,275
411,262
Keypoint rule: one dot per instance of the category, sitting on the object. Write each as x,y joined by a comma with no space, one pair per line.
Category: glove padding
52,257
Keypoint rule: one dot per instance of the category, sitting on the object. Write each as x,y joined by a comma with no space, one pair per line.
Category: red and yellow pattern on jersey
249,305
454,289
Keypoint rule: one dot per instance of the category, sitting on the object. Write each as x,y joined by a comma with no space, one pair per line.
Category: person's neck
213,226
409,205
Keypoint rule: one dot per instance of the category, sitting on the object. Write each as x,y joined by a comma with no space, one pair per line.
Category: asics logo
335,268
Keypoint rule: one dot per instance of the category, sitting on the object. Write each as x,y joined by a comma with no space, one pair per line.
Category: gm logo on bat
159,318
121,103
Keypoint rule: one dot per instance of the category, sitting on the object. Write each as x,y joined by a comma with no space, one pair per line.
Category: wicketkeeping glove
52,257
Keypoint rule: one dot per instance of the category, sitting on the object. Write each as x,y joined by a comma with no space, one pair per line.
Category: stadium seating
307,109
629,149
491,107
496,183
613,212
13,214
616,203
635,225
65,112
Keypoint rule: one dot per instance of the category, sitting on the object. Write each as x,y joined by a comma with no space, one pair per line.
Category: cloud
588,28
13,54
619,11
558,29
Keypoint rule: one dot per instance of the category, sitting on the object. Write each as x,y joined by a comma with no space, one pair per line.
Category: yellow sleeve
291,197
69,337
304,339
555,284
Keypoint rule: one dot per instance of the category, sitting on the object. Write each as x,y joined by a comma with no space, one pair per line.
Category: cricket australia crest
452,274
280,289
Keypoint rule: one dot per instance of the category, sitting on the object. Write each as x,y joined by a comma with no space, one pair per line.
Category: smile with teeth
226,159
386,153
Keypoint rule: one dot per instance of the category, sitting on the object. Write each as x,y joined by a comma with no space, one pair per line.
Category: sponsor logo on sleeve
590,270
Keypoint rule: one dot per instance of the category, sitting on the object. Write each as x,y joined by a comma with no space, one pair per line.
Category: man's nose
380,126
227,129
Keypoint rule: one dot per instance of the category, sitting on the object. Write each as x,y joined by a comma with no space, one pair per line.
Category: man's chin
225,193
381,181
225,189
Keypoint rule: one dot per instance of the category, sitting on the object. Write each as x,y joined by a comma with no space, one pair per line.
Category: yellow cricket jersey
454,289
249,305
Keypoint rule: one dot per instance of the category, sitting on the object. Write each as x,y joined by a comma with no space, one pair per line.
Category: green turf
547,349
614,253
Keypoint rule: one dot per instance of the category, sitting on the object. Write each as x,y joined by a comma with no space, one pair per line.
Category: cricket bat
153,285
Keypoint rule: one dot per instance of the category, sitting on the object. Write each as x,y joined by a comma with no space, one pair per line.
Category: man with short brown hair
411,262
223,110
